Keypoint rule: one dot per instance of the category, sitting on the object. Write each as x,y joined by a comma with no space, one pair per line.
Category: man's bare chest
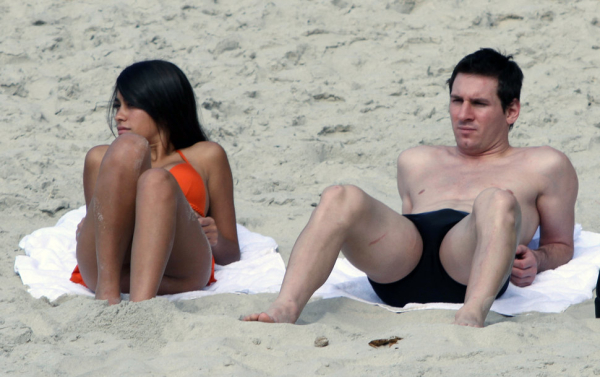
451,182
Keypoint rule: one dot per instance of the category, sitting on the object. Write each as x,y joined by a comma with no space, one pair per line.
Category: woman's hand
210,229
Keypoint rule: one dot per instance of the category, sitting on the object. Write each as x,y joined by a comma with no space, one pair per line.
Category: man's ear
512,111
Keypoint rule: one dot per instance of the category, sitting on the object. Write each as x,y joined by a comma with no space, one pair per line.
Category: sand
302,95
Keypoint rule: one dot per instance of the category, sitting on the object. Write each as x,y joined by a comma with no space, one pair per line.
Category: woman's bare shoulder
205,151
209,159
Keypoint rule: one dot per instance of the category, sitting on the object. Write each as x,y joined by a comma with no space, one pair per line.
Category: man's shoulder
544,150
550,163
421,160
544,156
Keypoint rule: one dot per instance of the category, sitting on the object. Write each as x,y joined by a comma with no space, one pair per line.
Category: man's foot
277,313
466,317
259,317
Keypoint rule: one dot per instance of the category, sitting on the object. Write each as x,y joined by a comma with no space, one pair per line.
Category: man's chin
469,149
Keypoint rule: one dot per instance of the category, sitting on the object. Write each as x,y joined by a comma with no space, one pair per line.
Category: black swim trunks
428,282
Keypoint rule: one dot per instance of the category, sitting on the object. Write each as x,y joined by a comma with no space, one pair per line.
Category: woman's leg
107,231
170,253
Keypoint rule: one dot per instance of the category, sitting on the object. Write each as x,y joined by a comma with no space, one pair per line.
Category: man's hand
210,229
525,267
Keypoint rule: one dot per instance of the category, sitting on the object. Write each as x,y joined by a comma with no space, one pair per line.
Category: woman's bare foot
277,313
111,300
102,294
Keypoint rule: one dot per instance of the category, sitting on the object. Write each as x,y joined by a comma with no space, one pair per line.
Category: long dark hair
162,90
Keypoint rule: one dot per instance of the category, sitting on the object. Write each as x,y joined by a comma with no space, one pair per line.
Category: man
468,211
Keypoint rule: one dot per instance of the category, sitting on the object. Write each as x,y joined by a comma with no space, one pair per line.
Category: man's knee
499,202
344,202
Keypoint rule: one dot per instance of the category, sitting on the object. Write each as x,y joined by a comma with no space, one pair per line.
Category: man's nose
466,111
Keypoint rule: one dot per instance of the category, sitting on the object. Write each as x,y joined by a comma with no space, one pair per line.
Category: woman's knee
157,185
127,150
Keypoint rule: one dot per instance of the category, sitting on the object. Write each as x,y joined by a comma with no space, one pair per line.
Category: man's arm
556,207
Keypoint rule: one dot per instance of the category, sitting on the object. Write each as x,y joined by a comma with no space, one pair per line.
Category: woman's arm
91,167
221,206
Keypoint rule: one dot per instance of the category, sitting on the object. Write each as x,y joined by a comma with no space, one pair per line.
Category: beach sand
302,95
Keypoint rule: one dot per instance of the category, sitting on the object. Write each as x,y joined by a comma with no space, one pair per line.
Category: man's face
478,121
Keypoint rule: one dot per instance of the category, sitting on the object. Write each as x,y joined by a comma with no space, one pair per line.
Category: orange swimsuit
191,184
193,188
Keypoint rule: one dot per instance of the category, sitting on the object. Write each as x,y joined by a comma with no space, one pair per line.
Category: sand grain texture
302,95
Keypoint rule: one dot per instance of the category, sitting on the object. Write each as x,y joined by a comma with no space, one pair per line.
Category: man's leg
479,252
373,237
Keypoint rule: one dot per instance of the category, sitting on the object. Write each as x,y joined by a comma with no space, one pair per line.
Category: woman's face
132,119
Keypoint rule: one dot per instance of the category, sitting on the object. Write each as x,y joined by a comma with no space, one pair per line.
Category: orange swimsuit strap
191,184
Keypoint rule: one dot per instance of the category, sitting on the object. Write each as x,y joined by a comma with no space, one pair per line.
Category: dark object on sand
597,301
321,341
384,342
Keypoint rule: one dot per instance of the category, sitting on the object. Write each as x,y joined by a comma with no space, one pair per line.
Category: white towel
551,292
50,259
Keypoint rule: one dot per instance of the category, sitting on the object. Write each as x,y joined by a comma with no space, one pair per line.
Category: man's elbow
570,251
564,255
554,255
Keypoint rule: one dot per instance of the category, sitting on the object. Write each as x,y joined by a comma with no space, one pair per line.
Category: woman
160,198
